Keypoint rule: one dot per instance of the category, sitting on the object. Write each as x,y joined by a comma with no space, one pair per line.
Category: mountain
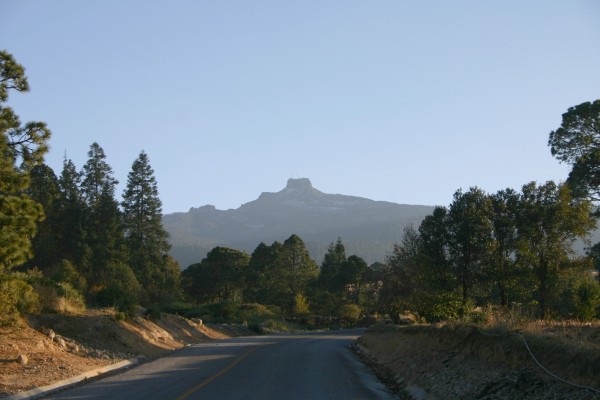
368,228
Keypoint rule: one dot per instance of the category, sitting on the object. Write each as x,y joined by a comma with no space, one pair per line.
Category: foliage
403,282
331,266
549,221
286,270
22,147
444,306
262,260
219,276
44,189
146,239
65,271
300,305
350,314
581,299
505,204
118,287
17,296
577,142
56,297
469,238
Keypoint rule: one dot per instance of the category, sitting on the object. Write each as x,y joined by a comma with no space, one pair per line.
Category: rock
61,342
22,359
49,332
73,347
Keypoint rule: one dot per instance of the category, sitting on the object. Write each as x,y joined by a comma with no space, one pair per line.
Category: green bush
300,305
16,297
350,314
586,300
65,271
55,297
443,306
276,325
113,296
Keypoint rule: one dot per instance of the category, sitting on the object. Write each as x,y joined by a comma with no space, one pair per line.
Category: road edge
66,383
395,383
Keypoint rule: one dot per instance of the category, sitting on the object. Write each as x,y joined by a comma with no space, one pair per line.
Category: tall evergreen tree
147,240
97,176
44,189
71,219
103,224
21,148
295,271
261,262
331,266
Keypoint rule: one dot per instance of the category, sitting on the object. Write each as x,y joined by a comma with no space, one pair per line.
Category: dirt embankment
468,362
48,348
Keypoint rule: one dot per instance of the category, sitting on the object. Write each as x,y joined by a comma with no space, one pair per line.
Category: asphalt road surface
300,366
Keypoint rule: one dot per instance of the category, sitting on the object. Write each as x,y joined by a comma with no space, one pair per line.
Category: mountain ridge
368,228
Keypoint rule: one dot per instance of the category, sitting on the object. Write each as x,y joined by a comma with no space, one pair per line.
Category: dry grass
569,349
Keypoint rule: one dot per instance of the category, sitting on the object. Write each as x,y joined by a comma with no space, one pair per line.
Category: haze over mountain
368,228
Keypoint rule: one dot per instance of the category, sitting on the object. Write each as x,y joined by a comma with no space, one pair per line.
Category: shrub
300,305
350,314
65,271
442,306
56,297
113,296
586,300
16,297
275,325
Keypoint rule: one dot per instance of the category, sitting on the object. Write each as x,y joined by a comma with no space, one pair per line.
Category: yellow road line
218,374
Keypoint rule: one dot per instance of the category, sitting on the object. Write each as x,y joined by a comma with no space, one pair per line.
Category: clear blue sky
403,101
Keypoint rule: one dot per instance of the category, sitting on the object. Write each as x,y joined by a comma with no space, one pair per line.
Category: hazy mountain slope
368,228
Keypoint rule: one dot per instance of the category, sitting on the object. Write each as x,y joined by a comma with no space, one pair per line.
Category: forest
67,243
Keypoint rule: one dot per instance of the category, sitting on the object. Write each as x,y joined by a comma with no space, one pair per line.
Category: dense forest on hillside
66,242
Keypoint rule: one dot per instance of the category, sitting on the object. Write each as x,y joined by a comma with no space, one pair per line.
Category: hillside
368,228
59,346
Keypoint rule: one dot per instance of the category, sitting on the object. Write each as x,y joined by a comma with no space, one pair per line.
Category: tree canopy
577,142
22,147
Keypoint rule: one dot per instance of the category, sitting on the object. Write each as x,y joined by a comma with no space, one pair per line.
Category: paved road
299,366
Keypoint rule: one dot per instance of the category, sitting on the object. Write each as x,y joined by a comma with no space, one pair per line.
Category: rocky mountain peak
299,184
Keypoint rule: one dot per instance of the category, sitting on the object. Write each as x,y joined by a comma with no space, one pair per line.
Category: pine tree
146,239
44,189
331,266
257,279
71,214
103,224
21,148
294,272
97,176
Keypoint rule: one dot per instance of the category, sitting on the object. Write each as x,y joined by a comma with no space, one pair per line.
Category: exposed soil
468,362
45,349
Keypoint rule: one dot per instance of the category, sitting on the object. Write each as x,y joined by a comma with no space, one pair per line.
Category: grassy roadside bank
490,362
